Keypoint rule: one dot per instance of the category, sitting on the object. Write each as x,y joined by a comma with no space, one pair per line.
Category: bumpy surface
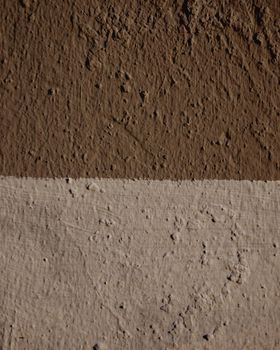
148,89
121,265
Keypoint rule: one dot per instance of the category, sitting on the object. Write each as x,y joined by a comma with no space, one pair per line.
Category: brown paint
145,89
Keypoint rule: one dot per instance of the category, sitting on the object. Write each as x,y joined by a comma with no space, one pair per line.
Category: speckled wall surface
147,89
125,96
119,264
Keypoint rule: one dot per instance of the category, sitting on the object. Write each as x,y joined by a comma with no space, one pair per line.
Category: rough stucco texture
115,264
146,89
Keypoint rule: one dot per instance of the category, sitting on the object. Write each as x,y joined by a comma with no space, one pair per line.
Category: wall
132,134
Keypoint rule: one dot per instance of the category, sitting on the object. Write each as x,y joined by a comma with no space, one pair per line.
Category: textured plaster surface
113,264
174,89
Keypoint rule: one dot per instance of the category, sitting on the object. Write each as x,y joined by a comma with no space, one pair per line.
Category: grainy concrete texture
174,89
158,90
119,264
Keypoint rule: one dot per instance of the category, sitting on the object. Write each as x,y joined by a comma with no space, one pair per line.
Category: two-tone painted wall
139,168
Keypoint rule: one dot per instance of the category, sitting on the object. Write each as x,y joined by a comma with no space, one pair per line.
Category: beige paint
112,264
